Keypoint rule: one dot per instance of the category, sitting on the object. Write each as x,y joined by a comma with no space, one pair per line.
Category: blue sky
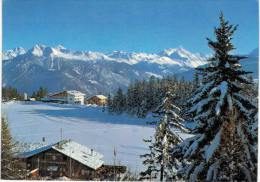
128,25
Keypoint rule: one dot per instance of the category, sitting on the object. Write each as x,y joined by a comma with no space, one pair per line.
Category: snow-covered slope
92,72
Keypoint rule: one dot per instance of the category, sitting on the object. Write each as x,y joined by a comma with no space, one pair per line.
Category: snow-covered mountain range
58,68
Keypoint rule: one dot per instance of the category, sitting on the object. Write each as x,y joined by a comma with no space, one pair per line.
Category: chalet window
53,157
85,172
52,168
82,171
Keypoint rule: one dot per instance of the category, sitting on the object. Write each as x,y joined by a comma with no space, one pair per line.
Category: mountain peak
37,50
177,51
10,54
60,47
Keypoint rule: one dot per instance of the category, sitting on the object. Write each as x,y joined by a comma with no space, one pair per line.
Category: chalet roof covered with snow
35,151
99,96
80,153
75,92
73,150
71,92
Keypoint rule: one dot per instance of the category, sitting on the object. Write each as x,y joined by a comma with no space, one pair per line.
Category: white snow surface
213,146
86,125
37,50
223,87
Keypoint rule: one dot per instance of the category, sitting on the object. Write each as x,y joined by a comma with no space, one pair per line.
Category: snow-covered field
87,125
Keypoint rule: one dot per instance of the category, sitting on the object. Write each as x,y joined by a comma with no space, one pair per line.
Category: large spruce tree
222,148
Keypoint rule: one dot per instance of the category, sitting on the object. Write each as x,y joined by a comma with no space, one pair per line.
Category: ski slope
87,125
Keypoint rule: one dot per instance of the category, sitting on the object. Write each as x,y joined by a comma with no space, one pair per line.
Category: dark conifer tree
42,92
222,148
196,81
9,93
8,170
34,95
109,103
119,101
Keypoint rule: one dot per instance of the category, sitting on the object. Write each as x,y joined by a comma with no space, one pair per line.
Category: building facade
65,158
67,96
97,99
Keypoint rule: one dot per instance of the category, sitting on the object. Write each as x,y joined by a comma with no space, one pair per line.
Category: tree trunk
161,177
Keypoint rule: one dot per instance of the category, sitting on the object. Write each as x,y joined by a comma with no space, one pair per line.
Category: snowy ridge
178,56
90,72
13,53
95,72
191,60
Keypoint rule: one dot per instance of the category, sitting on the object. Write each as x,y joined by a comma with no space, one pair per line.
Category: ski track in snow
87,125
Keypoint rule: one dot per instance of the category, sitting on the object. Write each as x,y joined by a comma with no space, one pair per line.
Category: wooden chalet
69,159
99,100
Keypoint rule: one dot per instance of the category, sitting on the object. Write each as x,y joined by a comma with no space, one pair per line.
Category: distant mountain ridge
178,56
58,68
250,63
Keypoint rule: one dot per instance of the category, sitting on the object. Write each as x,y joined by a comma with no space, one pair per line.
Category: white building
75,97
25,96
68,96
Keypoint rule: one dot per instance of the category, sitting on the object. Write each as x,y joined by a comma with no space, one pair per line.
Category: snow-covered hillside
57,68
87,125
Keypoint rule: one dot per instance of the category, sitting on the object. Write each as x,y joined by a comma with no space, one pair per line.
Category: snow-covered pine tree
165,138
149,160
222,148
